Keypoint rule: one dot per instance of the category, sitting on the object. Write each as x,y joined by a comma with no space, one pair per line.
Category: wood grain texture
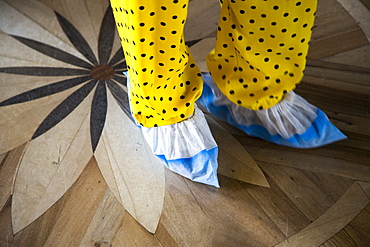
355,57
230,211
77,13
312,161
331,19
355,233
328,186
107,219
89,187
37,233
51,164
38,12
6,231
20,123
134,173
2,157
203,19
365,187
8,171
234,161
337,71
22,25
301,190
130,233
164,237
200,50
87,194
332,45
359,13
279,207
349,87
183,217
332,221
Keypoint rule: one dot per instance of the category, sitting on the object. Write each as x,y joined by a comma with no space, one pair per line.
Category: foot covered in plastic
186,148
293,122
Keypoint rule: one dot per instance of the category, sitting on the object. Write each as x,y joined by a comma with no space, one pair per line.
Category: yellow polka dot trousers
260,54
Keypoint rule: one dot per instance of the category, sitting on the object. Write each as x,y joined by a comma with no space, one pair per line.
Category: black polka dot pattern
164,79
260,54
269,41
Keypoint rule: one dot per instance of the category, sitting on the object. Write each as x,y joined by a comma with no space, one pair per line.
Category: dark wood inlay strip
76,38
106,37
45,90
121,65
43,71
190,43
99,108
64,108
118,56
121,97
53,52
120,79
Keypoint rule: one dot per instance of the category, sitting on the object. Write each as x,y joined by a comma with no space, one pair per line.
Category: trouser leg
164,80
261,49
164,84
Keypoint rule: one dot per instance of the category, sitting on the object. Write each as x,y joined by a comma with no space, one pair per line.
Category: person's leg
164,83
261,49
259,58
164,80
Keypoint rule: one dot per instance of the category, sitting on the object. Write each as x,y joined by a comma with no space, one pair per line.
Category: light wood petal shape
233,160
14,22
131,170
2,157
77,207
84,15
106,221
77,12
51,164
20,121
97,10
41,14
332,221
9,49
7,173
360,13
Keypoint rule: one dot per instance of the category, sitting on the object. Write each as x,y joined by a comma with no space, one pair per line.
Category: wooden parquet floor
317,197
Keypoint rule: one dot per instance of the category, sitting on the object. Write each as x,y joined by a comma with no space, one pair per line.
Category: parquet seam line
18,165
321,64
261,208
65,154
192,193
368,196
4,160
102,141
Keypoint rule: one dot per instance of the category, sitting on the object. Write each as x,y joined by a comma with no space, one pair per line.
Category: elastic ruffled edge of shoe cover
188,148
320,133
206,172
